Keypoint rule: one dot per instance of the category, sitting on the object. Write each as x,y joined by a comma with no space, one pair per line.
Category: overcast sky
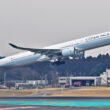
40,23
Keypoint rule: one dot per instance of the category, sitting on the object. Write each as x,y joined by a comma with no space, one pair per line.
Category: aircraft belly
25,60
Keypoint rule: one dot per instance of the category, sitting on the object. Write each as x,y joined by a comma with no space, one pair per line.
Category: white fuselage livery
72,48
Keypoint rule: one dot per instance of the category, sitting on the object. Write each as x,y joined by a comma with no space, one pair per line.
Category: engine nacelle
69,51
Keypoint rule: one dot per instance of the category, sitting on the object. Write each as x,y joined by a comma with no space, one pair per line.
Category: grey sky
39,23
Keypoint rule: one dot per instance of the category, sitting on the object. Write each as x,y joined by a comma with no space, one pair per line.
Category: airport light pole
4,78
45,81
57,74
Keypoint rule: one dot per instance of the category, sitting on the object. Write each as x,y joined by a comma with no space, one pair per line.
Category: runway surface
54,103
54,98
59,103
48,108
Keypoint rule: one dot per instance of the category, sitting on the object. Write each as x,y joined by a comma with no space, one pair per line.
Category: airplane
56,53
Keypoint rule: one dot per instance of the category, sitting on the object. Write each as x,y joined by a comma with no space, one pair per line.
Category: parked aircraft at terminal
56,53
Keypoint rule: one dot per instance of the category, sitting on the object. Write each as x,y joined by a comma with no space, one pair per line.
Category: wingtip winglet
12,45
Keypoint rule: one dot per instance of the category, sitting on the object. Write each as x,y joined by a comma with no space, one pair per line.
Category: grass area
90,91
8,92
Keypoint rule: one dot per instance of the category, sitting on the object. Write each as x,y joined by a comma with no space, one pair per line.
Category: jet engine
68,52
71,52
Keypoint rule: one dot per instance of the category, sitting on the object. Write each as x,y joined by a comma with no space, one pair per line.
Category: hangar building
83,81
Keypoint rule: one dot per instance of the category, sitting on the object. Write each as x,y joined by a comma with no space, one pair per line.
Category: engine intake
69,51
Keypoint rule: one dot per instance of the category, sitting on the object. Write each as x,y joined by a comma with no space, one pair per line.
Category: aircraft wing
47,52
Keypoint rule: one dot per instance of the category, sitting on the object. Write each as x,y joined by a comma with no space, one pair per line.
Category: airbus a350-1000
56,53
